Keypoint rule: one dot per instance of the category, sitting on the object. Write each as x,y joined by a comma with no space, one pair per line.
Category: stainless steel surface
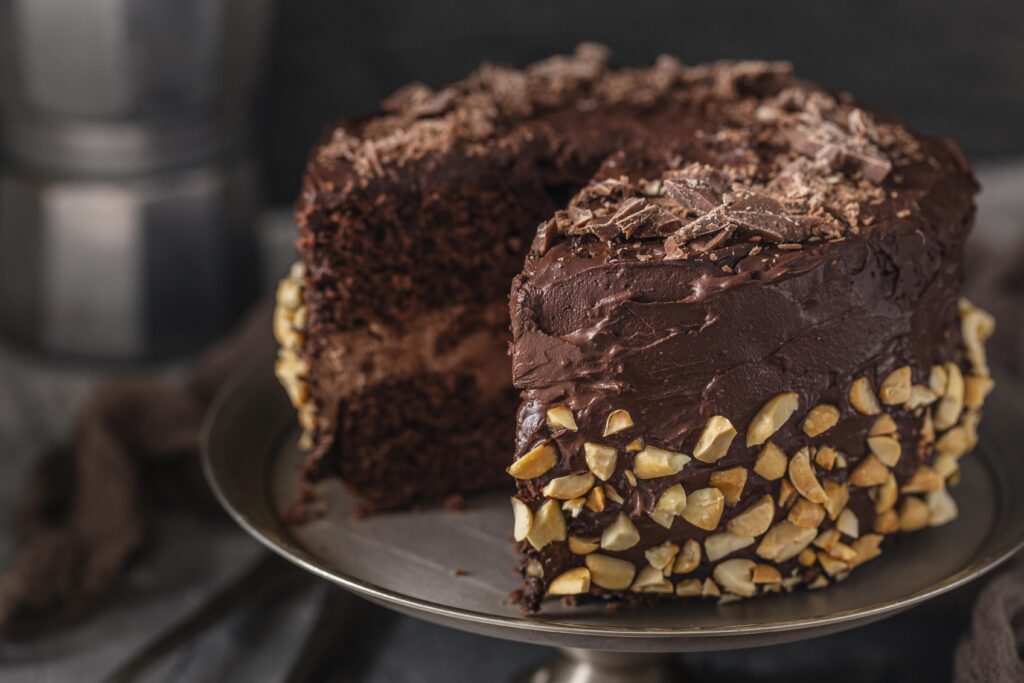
127,197
455,568
117,86
126,267
591,666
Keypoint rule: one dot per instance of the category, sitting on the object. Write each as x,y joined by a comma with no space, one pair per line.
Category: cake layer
393,428
402,402
434,201
409,401
738,378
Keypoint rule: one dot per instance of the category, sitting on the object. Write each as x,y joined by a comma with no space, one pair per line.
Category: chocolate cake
741,349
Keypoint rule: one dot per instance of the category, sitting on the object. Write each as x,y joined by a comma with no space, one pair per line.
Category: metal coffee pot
127,191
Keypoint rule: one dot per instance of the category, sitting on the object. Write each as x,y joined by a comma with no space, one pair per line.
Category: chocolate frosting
805,290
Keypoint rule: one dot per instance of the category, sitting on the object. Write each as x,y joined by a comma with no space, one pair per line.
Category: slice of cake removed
742,371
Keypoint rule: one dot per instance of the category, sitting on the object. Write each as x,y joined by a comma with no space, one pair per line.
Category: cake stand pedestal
454,568
593,666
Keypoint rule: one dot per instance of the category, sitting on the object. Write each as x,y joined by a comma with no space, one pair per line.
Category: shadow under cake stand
455,568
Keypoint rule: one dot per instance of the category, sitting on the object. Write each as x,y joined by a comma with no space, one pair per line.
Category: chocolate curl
842,149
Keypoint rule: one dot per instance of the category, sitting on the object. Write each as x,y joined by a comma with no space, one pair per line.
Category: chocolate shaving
715,240
509,87
603,230
841,149
635,217
707,182
674,248
861,124
750,78
547,233
762,215
417,100
743,210
680,246
693,194
629,212
578,216
664,224
640,217
714,220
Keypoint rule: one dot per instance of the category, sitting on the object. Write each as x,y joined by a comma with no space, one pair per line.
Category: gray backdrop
954,67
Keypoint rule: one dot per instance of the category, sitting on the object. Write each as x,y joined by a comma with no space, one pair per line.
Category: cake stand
455,568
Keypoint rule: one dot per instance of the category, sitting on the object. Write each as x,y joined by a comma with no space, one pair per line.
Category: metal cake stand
455,568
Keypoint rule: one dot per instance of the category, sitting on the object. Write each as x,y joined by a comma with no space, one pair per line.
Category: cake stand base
591,666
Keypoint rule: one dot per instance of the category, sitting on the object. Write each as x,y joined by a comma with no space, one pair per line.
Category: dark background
955,68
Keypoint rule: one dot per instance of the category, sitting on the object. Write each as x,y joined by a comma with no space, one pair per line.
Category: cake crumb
297,511
456,501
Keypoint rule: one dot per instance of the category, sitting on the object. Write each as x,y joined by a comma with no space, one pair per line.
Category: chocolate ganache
689,298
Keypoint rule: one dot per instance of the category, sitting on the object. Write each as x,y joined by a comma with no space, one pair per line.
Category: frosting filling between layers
458,340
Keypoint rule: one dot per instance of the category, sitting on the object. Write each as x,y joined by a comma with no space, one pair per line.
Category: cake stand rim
535,628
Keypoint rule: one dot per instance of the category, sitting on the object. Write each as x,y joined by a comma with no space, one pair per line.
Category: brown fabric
86,508
992,650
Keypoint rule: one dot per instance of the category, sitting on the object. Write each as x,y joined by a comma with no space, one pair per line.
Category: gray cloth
992,651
